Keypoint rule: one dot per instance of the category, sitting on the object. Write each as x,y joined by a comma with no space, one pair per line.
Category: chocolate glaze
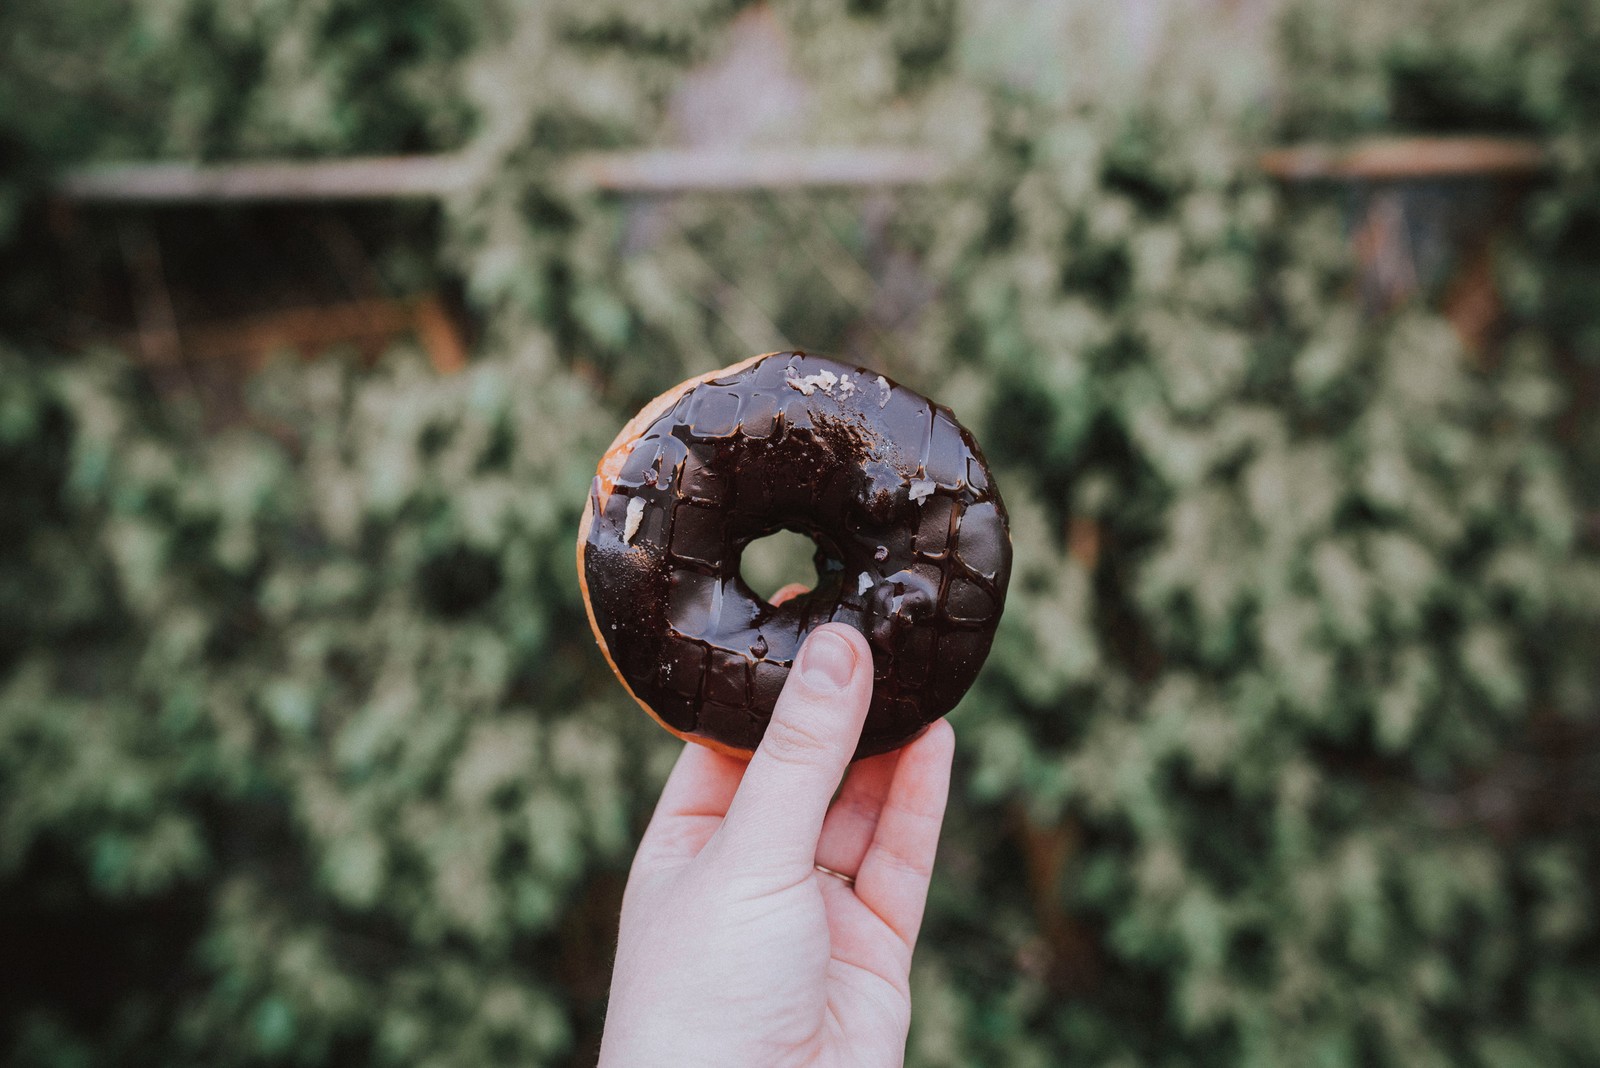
777,445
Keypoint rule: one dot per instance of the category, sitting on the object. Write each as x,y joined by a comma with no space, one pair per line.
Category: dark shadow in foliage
458,581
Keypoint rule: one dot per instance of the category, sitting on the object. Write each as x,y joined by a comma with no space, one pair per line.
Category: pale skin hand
734,949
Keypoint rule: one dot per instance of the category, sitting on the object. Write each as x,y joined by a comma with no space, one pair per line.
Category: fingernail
827,661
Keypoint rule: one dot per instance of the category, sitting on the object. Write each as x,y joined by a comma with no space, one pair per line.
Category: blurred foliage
1456,66
1285,754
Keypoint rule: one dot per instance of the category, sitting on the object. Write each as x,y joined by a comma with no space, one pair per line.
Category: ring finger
853,817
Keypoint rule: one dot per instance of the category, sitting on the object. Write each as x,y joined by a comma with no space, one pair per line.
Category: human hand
735,949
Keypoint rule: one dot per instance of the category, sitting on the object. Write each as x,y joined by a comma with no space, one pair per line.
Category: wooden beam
670,171
434,177
370,325
370,178
724,170
1402,158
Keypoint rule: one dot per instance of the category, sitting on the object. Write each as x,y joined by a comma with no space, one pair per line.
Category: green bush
307,756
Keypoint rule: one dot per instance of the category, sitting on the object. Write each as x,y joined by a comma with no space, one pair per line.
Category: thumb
775,819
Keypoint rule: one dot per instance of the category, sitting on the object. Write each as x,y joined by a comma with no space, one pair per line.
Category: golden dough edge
611,466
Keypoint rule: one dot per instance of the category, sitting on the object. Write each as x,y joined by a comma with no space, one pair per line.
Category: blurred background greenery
1288,752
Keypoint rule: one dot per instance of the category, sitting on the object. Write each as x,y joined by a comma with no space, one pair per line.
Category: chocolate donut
913,546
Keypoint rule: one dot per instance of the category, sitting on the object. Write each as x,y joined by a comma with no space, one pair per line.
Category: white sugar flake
810,383
921,489
866,583
883,401
635,516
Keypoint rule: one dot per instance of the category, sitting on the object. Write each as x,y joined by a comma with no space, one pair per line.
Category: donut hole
786,556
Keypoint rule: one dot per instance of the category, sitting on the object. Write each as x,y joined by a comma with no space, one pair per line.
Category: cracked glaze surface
913,547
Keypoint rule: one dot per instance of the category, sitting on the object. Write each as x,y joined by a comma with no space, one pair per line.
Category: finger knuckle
920,816
906,862
793,743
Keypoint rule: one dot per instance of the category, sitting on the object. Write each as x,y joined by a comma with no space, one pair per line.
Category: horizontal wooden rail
682,170
371,178
667,171
1407,158
403,177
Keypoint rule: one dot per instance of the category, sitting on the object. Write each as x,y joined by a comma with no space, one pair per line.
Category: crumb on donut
883,401
635,517
921,489
808,385
865,583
